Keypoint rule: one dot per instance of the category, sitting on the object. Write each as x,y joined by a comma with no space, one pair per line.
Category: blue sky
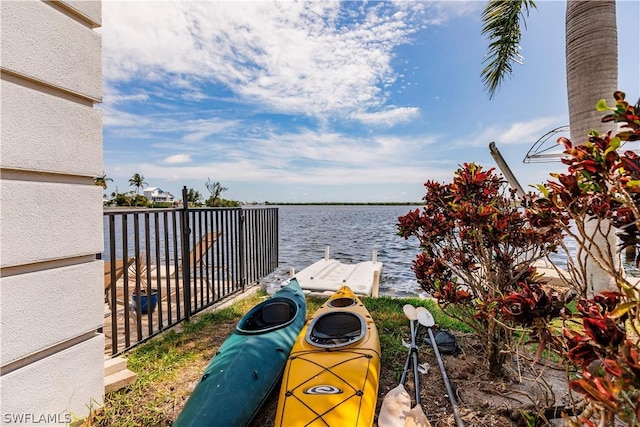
326,101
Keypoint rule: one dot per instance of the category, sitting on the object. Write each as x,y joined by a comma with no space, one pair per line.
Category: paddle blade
416,418
410,312
424,317
423,368
395,407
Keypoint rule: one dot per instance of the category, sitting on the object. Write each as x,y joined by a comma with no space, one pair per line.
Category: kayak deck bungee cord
332,375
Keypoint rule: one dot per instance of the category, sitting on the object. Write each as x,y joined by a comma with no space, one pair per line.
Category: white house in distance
157,195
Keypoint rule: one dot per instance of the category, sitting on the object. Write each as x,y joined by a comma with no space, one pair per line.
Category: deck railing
164,265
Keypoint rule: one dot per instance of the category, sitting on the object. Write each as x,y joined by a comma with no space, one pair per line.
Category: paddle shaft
406,364
385,413
445,378
410,312
414,353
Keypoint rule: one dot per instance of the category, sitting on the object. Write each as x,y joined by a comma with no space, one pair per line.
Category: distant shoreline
138,208
345,204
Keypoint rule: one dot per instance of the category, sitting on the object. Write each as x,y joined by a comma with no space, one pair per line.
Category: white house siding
157,195
51,287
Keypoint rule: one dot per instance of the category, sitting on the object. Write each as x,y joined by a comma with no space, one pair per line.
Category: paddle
410,310
426,319
412,315
396,405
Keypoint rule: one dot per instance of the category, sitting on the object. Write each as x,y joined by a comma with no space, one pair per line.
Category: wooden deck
167,313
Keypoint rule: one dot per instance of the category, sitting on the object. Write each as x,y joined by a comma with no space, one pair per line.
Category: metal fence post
243,279
240,249
186,268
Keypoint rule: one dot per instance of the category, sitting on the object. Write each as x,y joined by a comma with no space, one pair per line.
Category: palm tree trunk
592,63
592,74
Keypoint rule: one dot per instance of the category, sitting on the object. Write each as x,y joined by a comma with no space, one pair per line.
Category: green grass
160,364
169,348
164,363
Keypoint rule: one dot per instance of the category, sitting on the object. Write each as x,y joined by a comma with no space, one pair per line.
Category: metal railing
164,265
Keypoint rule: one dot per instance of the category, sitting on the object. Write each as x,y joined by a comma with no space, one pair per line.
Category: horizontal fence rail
163,265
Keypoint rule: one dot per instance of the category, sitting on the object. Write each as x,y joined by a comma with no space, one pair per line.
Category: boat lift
506,170
542,151
329,275
545,150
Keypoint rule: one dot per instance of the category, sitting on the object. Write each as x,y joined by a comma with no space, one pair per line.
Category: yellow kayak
331,376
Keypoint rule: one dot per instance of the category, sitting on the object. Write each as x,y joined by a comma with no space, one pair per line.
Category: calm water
352,232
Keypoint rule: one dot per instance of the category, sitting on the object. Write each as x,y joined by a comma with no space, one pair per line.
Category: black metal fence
163,265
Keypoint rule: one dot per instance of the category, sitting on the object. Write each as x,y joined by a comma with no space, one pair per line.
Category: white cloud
197,130
522,133
526,132
302,57
388,117
112,99
304,157
254,171
183,126
177,159
112,117
198,86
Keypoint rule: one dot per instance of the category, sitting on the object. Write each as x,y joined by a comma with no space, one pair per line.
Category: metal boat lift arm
504,167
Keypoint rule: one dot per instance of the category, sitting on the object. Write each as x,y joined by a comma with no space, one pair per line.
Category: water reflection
353,232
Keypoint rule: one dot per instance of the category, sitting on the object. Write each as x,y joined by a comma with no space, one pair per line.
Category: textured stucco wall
51,287
64,374
74,305
70,226
43,43
43,120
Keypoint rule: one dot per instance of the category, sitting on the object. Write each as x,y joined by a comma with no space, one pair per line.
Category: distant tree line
215,189
345,203
135,199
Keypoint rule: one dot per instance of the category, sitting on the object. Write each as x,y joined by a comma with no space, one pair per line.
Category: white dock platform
329,275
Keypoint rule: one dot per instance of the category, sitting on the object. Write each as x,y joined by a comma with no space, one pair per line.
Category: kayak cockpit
269,315
342,302
336,329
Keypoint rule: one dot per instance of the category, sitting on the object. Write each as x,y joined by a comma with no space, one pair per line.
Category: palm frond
501,20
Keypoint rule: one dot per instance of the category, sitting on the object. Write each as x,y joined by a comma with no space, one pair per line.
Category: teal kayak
249,364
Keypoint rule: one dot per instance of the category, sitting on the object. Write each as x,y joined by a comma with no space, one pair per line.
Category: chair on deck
140,271
198,254
197,257
119,265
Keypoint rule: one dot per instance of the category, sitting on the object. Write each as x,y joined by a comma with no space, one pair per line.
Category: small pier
329,275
